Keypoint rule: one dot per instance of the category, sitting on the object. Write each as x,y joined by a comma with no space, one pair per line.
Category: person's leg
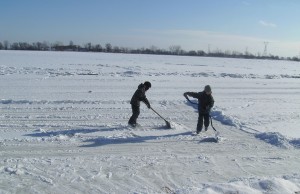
206,121
135,114
200,123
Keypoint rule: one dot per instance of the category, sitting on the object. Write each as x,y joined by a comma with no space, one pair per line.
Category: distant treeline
108,48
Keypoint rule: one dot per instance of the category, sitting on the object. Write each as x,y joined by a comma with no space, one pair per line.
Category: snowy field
63,125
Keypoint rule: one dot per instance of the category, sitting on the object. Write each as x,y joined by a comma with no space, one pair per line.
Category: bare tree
98,48
71,43
46,46
116,49
15,46
6,45
39,46
88,46
175,49
108,47
153,48
57,43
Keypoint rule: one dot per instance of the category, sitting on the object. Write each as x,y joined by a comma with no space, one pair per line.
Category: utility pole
246,51
266,49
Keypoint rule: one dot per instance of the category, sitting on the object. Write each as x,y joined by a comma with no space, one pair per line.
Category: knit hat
207,88
147,84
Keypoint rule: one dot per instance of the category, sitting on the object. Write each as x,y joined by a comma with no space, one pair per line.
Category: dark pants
202,117
135,114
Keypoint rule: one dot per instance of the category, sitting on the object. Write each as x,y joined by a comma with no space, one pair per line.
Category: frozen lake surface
63,124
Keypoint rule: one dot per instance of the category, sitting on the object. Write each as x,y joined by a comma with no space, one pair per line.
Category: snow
63,125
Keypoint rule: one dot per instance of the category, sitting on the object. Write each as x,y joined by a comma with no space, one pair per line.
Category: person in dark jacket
205,103
137,97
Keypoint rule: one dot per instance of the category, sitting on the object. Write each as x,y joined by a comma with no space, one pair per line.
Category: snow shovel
167,123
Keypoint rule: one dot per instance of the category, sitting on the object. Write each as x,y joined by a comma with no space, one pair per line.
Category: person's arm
210,104
191,94
143,98
146,101
212,101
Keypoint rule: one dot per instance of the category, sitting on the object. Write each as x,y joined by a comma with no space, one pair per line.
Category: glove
147,103
185,95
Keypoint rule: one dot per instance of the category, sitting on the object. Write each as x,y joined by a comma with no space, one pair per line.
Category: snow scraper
168,125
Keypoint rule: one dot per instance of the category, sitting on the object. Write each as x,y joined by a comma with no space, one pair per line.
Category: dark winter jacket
205,102
139,96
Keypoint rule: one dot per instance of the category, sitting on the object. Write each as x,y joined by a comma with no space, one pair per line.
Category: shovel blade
168,125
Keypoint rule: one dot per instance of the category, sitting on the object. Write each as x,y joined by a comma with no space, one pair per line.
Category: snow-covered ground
63,125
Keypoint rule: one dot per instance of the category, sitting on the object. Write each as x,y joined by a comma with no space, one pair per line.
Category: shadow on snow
94,141
70,132
101,141
209,140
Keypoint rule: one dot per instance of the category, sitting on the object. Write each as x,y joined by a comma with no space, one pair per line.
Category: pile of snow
278,140
248,186
225,119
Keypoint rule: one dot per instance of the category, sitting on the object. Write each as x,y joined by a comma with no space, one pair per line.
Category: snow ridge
225,119
132,71
276,139
273,138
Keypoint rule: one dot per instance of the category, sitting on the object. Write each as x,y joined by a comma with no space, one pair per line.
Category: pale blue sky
194,24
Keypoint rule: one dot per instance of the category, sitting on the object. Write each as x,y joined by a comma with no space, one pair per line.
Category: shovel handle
157,113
